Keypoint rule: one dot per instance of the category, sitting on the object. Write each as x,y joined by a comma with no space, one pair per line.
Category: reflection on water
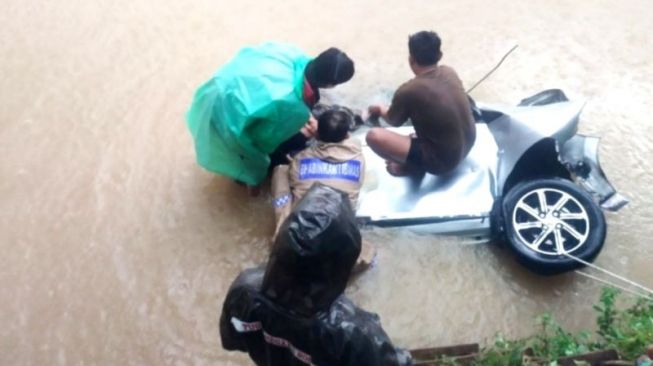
118,249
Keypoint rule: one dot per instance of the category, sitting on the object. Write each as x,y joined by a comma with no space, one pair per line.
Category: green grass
629,331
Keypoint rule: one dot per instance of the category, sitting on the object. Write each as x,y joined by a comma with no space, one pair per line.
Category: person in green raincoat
255,102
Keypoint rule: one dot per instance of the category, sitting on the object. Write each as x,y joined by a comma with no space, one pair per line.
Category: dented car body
530,181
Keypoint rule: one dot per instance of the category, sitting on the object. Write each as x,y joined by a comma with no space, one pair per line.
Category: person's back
294,312
334,159
231,113
435,101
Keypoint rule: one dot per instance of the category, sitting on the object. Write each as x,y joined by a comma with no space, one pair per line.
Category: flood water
117,249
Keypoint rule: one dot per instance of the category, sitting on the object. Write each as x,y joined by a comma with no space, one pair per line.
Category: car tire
544,220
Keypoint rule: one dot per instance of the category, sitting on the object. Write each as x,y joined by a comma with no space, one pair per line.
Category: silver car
530,181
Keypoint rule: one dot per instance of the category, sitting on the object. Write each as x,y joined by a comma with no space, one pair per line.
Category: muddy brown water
117,249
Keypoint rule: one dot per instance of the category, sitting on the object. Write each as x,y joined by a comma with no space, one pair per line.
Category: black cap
331,67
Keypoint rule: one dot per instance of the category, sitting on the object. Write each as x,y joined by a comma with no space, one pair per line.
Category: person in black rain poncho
293,312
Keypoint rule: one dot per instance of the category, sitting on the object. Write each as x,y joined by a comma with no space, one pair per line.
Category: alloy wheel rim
550,221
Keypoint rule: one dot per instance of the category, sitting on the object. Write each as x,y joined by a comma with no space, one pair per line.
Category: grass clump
628,331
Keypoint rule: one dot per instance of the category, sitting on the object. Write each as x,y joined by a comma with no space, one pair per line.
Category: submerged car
530,181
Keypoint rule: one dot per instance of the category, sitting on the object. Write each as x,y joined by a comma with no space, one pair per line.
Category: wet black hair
333,126
331,67
424,47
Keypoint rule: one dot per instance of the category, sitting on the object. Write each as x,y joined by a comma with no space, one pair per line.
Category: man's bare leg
388,145
394,148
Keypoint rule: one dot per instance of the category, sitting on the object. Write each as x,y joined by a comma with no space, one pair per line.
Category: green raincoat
251,105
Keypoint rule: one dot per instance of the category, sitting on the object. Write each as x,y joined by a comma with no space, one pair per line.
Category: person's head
424,48
313,254
329,68
333,125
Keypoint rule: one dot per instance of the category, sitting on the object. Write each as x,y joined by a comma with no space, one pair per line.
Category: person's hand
310,128
376,110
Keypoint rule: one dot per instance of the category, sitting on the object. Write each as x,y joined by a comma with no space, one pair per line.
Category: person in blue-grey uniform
334,159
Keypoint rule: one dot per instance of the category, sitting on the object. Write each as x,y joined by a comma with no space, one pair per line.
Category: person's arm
309,130
281,196
378,111
397,113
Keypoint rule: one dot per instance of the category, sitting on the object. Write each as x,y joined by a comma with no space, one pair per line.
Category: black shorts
415,156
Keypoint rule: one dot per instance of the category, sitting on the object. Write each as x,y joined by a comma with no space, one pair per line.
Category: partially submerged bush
627,331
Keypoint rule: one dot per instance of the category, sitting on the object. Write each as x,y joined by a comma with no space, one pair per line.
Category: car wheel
546,219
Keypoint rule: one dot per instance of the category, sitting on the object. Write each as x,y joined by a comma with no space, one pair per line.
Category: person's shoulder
447,71
268,57
352,143
249,280
244,291
407,91
408,86
287,48
446,68
274,46
308,151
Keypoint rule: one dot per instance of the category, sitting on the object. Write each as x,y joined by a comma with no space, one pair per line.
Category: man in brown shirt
437,104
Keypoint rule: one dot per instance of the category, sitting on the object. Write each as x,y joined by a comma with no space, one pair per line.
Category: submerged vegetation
629,331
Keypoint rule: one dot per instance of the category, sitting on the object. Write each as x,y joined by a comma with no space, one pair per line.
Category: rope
491,71
594,266
622,288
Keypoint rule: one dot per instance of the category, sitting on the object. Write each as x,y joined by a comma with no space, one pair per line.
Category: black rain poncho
294,312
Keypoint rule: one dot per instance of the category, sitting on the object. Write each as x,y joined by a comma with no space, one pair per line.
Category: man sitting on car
435,101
